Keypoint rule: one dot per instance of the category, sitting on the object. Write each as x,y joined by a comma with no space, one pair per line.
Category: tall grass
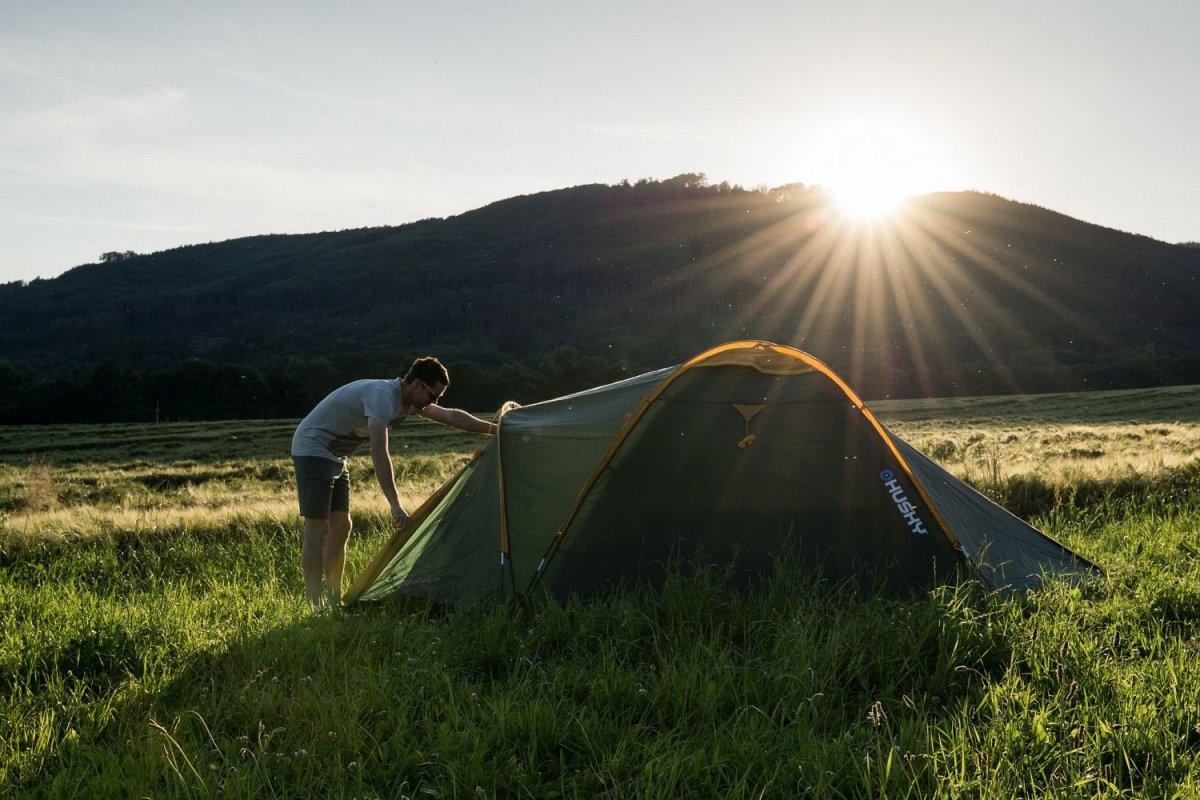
185,664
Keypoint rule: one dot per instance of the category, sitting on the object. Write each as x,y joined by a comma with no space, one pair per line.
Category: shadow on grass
693,690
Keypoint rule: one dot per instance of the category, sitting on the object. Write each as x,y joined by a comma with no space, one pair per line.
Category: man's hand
399,518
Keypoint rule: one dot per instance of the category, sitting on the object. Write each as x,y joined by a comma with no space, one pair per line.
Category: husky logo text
906,508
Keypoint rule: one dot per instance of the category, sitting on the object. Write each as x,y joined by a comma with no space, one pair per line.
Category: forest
960,294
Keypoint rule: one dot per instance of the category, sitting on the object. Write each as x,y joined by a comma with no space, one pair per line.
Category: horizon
893,216
137,127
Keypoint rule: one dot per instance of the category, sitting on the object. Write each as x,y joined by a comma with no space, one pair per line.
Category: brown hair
429,370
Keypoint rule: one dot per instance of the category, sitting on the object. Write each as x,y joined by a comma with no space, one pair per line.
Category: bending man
360,411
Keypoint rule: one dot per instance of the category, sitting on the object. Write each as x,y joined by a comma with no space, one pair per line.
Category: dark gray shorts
323,486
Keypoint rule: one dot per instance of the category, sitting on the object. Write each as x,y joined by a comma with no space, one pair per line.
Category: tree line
197,389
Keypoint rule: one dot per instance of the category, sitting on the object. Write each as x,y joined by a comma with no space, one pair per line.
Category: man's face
431,394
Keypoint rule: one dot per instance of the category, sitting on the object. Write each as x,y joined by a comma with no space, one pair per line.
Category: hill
960,294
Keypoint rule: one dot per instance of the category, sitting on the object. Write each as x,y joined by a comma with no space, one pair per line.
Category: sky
141,125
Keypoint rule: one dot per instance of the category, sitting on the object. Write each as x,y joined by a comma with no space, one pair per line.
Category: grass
1062,438
154,642
65,483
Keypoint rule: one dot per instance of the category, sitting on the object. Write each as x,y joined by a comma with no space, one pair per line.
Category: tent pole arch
887,439
506,565
709,355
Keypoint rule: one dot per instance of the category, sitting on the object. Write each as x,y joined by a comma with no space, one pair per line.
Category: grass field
154,641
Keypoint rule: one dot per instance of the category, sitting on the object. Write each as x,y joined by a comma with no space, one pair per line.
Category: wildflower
876,715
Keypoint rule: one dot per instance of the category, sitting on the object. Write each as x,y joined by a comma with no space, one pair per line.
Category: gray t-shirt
338,425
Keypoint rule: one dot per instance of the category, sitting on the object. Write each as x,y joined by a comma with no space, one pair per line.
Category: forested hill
962,293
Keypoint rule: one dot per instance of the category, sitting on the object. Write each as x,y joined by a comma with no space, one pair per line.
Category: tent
747,454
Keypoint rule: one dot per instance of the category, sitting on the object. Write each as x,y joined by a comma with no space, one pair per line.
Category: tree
688,180
112,393
15,380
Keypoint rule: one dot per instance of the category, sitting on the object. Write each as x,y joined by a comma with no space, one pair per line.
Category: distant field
62,481
1164,404
1030,453
1058,438
201,442
68,481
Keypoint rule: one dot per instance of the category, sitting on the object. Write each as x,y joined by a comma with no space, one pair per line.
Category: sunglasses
433,396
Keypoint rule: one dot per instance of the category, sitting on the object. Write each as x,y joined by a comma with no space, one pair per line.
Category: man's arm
457,418
377,431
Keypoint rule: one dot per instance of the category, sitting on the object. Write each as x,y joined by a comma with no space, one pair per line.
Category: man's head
431,373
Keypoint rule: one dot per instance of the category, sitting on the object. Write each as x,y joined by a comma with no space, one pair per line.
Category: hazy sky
143,125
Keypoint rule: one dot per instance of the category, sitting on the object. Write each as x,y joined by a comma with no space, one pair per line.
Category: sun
872,163
868,198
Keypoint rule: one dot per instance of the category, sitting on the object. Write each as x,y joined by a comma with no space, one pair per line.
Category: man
360,411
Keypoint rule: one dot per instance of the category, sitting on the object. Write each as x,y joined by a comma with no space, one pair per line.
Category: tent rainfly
748,453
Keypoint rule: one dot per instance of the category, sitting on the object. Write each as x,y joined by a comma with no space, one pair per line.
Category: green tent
747,453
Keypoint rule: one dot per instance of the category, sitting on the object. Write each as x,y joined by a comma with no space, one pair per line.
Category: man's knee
340,525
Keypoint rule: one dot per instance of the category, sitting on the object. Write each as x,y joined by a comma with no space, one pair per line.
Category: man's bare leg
312,560
335,552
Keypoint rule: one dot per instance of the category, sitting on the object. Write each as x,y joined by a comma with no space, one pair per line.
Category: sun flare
868,200
871,165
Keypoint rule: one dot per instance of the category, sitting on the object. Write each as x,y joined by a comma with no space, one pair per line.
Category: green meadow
154,641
